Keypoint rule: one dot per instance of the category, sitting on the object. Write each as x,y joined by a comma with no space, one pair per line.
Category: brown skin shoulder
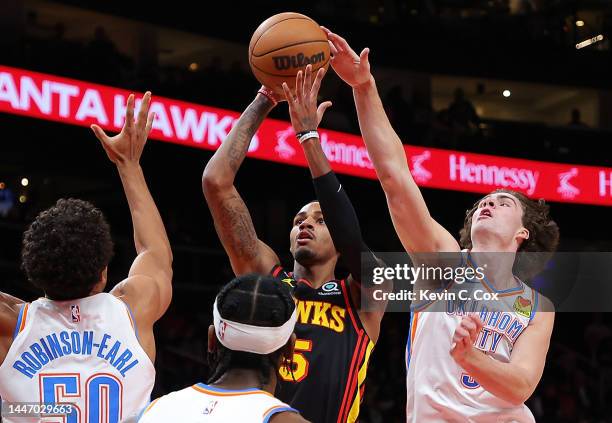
9,313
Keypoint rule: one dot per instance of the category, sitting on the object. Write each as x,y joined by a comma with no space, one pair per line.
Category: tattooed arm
231,217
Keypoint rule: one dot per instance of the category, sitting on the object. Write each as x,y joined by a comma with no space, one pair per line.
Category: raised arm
417,230
230,214
148,288
338,211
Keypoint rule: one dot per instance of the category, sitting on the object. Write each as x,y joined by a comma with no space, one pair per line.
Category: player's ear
289,347
212,339
523,234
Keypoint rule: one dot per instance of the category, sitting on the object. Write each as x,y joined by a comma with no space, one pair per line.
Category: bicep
287,417
236,231
147,299
158,275
415,227
370,311
529,352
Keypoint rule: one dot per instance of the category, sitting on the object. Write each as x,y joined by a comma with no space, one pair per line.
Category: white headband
253,339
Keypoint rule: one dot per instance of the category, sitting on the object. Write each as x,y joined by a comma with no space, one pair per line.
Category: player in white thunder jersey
79,345
254,318
501,222
441,388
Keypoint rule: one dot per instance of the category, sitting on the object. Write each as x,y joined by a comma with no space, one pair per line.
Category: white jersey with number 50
84,352
438,389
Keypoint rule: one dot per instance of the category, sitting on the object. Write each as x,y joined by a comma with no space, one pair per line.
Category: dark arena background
523,79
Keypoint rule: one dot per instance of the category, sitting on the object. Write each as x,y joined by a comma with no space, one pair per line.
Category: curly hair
66,248
543,234
254,300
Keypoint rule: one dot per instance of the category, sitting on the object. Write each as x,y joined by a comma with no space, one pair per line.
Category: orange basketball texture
283,45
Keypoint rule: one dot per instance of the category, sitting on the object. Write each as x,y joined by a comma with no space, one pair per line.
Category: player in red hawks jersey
335,338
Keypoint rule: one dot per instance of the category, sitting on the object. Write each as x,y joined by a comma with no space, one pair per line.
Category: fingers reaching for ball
303,110
352,68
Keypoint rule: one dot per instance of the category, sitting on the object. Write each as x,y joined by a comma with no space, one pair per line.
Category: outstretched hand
126,147
303,110
351,68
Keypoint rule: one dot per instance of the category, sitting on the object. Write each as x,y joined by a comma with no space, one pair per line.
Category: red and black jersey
331,356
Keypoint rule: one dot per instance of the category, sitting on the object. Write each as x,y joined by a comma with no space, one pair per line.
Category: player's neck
317,274
491,243
237,379
497,267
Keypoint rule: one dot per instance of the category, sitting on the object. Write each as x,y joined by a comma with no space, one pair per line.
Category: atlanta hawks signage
81,103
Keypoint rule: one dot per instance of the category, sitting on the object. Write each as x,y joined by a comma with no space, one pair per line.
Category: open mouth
304,237
486,213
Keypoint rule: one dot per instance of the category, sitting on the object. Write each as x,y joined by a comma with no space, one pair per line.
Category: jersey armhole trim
131,317
147,408
21,320
535,295
276,270
275,410
349,305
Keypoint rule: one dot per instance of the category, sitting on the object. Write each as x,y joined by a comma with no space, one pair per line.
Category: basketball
285,44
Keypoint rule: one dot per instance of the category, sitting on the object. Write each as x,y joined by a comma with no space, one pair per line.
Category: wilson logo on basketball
297,61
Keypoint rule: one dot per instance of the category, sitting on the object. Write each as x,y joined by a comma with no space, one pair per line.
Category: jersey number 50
300,364
102,396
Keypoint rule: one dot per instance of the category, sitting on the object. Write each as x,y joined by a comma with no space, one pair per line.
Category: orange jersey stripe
150,405
269,410
229,394
413,329
24,317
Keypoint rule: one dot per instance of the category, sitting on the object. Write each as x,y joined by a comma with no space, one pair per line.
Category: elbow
211,180
390,180
520,395
392,176
170,257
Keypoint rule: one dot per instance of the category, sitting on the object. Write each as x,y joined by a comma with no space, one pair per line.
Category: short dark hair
543,231
254,300
66,248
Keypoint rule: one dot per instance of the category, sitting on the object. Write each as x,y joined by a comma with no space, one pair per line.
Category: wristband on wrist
268,93
306,135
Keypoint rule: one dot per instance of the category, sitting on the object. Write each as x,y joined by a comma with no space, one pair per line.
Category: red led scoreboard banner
81,103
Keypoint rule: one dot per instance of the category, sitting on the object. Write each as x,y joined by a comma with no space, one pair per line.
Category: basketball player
78,344
462,367
334,338
254,317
